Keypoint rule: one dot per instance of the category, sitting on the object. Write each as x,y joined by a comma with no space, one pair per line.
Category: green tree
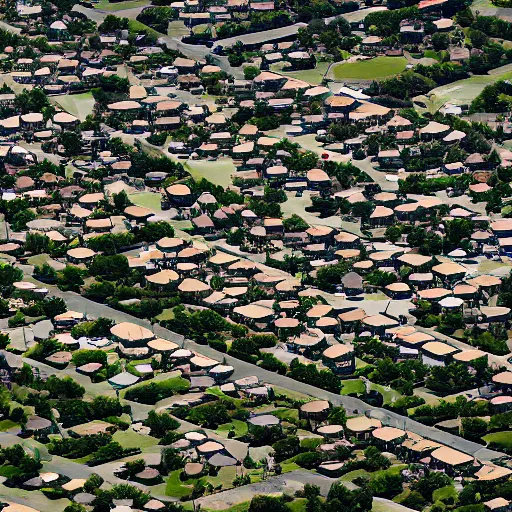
70,279
36,243
111,268
251,72
474,428
72,143
430,482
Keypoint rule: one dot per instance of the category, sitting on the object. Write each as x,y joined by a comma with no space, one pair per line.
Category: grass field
372,69
289,415
501,439
352,386
462,92
352,475
312,76
240,428
358,473
178,488
218,171
131,439
298,505
6,425
175,487
78,105
150,200
38,259
137,26
389,395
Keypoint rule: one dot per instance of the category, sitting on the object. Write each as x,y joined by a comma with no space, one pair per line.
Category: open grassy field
150,200
289,415
6,425
218,171
78,105
462,92
372,69
131,439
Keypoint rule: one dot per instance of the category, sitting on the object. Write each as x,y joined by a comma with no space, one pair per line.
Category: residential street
242,369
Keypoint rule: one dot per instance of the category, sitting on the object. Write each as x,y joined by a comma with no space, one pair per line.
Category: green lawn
297,505
372,69
393,470
215,391
6,425
9,471
224,479
166,314
432,54
462,92
38,259
363,473
290,393
500,439
352,386
240,428
218,172
78,105
137,26
312,76
289,415
177,29
446,494
150,200
352,475
390,395
175,487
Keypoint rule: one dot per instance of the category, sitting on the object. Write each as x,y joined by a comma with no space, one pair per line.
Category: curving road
353,405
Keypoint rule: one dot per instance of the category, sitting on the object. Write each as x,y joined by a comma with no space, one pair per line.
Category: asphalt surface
261,37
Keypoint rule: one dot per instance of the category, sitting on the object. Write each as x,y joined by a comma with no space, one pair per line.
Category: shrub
94,329
17,320
81,357
219,345
154,391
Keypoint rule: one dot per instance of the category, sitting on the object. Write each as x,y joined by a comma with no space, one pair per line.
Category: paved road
243,369
261,37
376,175
193,51
289,483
